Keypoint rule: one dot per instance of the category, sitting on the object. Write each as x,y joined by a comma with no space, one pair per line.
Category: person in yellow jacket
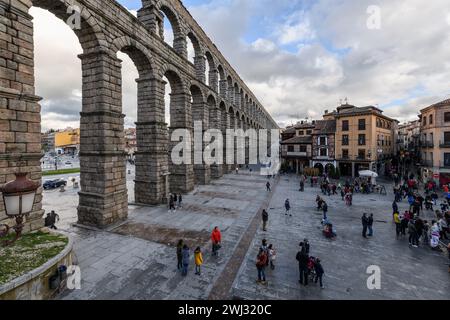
398,224
198,260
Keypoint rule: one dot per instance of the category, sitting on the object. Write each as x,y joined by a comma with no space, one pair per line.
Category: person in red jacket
216,239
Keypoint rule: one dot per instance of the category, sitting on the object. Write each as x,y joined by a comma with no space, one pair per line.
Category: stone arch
89,34
179,40
196,94
176,81
139,54
222,81
230,90
213,78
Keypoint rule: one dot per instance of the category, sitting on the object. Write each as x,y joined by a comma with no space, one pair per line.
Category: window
322,141
345,125
362,140
301,133
303,149
345,140
308,132
446,159
362,124
323,152
378,141
447,138
424,121
345,154
431,119
447,117
378,122
361,154
290,148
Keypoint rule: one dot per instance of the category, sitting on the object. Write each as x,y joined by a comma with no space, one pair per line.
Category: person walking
180,254
172,203
325,210
268,186
261,261
394,207
265,219
302,185
398,224
370,225
287,205
412,234
186,256
216,239
51,219
303,259
272,256
319,272
365,223
198,257
180,201
305,246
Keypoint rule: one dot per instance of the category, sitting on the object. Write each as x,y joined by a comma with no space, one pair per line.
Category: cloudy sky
300,57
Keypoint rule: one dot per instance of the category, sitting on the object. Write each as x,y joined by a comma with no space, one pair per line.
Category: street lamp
18,198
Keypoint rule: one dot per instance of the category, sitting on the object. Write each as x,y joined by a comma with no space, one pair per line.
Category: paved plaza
136,259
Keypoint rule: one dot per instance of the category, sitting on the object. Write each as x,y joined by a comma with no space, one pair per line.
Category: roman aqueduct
107,28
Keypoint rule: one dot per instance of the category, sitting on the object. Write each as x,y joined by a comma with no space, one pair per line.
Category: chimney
326,111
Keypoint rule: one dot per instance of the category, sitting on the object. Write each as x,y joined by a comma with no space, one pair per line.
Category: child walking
198,260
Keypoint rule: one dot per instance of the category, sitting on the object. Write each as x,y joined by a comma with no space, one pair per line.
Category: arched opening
222,82
320,167
237,98
181,179
172,33
136,84
211,72
87,97
230,90
55,53
200,114
330,170
193,48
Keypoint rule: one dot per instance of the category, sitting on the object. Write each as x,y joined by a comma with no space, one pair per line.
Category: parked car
53,184
68,163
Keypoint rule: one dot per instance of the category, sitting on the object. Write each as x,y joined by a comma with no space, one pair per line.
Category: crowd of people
175,202
184,253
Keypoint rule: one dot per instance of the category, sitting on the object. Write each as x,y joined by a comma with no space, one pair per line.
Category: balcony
427,144
444,144
426,163
297,154
355,158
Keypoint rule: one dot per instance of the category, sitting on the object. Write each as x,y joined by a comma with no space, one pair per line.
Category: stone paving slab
139,264
407,273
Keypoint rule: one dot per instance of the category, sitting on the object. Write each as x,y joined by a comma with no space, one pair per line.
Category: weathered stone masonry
106,28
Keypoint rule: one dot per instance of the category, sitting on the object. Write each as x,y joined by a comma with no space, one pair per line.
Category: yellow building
67,141
435,142
365,139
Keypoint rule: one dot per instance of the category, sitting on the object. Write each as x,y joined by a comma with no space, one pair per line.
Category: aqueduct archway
220,100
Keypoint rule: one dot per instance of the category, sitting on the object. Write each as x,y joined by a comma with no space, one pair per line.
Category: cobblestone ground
137,259
406,273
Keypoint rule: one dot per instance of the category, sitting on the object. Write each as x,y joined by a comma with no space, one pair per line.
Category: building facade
130,142
435,142
365,139
323,145
296,146
67,141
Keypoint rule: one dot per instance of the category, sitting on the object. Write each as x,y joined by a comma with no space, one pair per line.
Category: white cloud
406,60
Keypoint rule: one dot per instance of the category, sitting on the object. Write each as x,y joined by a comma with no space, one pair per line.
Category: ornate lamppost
18,198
